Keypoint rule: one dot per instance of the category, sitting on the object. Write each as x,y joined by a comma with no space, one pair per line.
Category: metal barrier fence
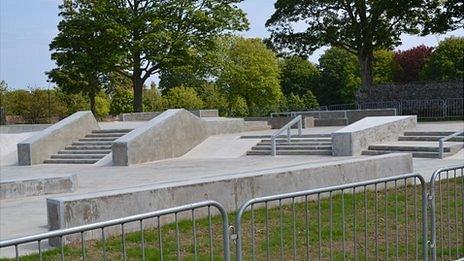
164,242
447,213
361,225
384,218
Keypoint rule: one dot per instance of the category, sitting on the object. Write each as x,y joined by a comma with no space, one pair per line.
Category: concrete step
112,131
110,135
93,143
428,133
407,148
88,147
422,154
71,161
429,138
78,156
291,152
322,135
320,143
99,139
84,151
291,147
301,140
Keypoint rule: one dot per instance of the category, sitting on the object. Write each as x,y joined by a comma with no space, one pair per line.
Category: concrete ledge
171,134
355,138
20,128
39,147
36,187
230,190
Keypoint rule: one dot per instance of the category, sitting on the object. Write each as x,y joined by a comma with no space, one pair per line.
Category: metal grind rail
288,128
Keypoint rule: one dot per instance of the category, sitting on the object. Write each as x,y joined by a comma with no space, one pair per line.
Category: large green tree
80,50
298,75
252,73
446,62
339,77
359,27
444,15
156,35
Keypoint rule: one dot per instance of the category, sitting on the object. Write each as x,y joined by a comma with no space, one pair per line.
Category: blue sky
28,26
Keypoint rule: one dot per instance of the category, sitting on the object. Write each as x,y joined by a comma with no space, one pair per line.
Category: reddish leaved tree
410,62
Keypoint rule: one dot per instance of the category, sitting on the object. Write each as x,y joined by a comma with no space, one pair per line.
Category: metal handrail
441,143
298,119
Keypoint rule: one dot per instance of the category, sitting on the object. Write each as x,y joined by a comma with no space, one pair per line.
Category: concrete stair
309,144
88,150
421,144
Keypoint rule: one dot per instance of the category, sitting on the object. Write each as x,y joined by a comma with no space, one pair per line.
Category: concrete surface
354,138
39,186
39,147
171,134
231,191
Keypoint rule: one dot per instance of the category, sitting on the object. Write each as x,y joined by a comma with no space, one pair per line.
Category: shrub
102,105
153,101
121,102
310,100
294,103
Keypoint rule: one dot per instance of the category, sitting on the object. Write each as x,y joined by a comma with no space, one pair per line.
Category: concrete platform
20,188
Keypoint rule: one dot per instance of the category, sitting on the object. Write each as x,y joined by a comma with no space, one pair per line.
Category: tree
80,50
410,63
384,66
298,75
359,27
252,72
152,100
310,100
444,16
213,98
156,35
294,103
183,97
339,77
447,61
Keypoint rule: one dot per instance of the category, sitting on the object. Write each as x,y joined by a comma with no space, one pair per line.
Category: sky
28,26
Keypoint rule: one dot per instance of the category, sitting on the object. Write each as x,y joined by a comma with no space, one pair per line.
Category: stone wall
412,91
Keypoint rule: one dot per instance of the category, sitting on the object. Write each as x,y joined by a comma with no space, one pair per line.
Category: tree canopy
359,27
298,75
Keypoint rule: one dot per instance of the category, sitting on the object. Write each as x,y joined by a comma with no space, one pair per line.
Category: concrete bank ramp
171,134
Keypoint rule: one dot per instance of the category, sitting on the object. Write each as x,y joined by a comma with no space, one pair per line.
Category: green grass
397,223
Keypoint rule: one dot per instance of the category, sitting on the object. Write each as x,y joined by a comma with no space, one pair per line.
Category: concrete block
355,138
138,116
231,190
206,113
36,187
171,134
219,125
308,122
39,147
331,122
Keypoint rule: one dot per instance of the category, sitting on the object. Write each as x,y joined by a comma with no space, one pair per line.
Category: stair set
90,149
307,144
421,144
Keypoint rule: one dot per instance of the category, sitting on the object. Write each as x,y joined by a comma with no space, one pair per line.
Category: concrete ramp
171,134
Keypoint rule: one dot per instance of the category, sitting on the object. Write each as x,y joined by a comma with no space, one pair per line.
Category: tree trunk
92,103
365,58
138,95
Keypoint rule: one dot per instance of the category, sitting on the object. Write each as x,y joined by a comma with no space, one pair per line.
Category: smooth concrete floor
217,156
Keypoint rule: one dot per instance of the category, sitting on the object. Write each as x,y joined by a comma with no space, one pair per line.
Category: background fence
424,109
380,219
